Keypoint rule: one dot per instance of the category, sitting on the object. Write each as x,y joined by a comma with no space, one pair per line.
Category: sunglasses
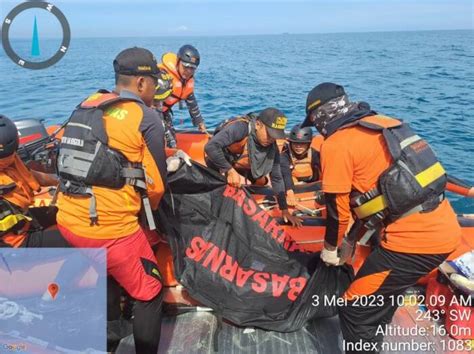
189,66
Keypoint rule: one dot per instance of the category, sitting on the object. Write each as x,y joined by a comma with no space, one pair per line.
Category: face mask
329,112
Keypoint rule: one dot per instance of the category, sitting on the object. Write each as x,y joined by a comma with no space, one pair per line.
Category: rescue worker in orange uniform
181,67
18,228
385,174
246,146
299,161
111,166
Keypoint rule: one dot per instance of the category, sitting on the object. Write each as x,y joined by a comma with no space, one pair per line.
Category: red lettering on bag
239,198
261,217
279,284
274,228
197,246
296,287
243,276
203,252
250,207
229,191
281,238
229,269
260,282
216,257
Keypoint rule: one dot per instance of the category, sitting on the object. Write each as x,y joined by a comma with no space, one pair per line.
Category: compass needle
35,49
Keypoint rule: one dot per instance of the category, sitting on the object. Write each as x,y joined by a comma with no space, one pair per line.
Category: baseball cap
136,61
318,96
275,121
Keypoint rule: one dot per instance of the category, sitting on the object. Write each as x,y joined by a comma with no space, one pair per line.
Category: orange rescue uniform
181,89
118,210
353,158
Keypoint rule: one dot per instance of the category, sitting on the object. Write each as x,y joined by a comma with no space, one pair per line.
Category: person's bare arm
45,179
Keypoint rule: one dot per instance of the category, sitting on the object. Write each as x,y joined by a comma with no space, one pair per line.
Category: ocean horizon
423,77
250,35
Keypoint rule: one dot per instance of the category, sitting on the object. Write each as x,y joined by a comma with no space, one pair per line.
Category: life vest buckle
370,207
6,189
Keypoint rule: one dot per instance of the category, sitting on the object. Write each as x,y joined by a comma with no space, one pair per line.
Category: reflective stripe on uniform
379,203
430,175
81,161
79,154
76,167
72,124
371,207
409,141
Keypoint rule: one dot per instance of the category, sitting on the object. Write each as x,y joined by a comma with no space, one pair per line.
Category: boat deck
194,333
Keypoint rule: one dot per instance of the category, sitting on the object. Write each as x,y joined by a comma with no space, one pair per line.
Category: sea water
425,78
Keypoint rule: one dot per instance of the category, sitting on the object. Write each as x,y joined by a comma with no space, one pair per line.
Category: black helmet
301,135
189,55
8,137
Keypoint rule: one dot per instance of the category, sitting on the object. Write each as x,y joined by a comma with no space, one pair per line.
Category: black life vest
86,160
415,181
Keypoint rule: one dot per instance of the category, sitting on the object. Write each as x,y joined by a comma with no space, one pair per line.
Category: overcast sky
117,18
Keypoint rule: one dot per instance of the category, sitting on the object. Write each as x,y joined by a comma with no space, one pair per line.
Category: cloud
182,28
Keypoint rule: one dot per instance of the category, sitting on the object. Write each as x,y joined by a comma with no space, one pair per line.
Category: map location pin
53,290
